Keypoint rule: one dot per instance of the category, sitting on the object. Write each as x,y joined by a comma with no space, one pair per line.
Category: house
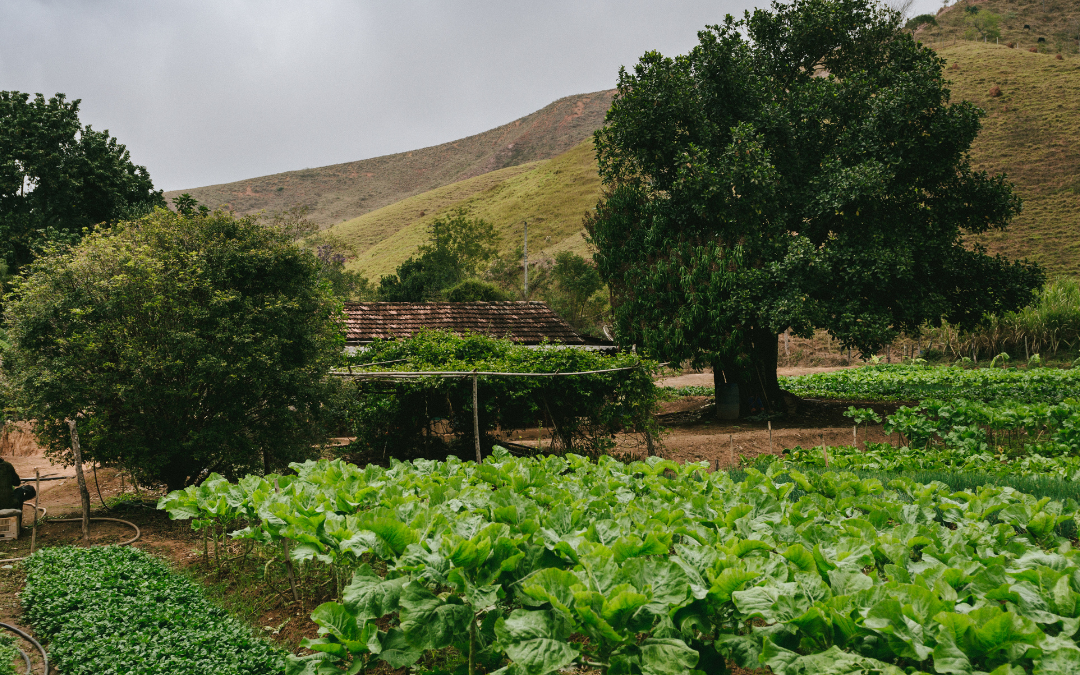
525,323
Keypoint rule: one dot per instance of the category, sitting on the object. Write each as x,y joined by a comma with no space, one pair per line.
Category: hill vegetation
339,192
1030,132
552,195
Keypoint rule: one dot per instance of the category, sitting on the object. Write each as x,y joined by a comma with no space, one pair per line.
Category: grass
552,195
1030,133
340,192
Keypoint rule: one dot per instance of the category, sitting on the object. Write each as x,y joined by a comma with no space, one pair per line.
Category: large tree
58,177
180,345
802,167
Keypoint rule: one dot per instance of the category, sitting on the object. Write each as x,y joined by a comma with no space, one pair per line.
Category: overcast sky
213,91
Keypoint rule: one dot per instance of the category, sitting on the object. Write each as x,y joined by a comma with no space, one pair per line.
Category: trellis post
476,419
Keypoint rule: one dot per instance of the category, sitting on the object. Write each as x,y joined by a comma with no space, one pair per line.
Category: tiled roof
521,322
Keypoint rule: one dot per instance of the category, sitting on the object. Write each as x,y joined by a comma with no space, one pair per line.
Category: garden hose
138,532
44,656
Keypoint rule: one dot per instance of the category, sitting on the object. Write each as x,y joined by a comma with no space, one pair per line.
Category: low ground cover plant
531,565
112,610
917,382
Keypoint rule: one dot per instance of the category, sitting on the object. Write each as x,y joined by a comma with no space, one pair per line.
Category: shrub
113,610
393,418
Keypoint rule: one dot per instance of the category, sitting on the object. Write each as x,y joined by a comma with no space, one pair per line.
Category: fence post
476,419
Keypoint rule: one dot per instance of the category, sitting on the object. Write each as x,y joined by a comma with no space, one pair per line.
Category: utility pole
526,261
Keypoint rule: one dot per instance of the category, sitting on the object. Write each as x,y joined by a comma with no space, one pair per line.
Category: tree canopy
802,167
457,248
58,177
181,344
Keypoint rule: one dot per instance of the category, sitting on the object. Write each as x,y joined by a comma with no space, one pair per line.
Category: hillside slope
342,191
552,195
1032,133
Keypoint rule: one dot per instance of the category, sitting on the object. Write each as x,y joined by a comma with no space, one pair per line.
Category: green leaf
832,661
371,597
666,657
428,621
536,641
397,652
800,557
553,586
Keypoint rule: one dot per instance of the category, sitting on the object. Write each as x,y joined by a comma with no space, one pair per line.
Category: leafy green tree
508,273
58,177
457,248
182,345
802,167
914,22
574,294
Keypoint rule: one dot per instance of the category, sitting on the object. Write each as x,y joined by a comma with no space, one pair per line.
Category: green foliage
181,345
916,382
575,295
477,290
582,410
668,568
8,655
457,248
109,610
58,177
1050,324
984,24
916,21
747,195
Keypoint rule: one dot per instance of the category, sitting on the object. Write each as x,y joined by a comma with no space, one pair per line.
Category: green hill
1032,133
552,195
342,191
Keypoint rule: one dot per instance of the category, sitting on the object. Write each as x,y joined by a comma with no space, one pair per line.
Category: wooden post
731,452
37,495
476,420
770,437
855,435
83,492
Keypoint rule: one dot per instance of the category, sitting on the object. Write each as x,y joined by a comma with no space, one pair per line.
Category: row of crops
918,382
533,565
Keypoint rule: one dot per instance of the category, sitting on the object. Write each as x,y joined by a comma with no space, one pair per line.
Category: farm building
525,323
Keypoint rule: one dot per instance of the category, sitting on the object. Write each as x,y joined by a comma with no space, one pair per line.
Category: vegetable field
529,566
918,382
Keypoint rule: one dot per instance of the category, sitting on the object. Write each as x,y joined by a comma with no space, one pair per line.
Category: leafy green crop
113,611
530,566
8,655
918,382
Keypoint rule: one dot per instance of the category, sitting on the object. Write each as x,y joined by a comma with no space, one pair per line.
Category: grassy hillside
1022,22
1032,133
336,193
552,195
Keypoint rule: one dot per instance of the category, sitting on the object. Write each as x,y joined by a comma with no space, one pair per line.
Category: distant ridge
344,191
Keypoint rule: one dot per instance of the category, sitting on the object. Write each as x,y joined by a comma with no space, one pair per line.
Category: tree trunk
759,388
84,494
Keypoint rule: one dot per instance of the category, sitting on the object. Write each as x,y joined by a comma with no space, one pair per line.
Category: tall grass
1049,325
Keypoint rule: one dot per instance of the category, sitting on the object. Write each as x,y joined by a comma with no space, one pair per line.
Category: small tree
574,296
457,248
182,345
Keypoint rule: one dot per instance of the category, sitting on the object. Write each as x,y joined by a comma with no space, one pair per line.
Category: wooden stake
476,420
83,492
824,453
855,435
37,495
731,440
770,437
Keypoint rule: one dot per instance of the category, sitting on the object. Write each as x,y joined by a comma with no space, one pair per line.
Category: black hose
98,486
44,656
26,657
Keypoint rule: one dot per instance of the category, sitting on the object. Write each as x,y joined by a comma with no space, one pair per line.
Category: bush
476,290
916,21
113,610
392,418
